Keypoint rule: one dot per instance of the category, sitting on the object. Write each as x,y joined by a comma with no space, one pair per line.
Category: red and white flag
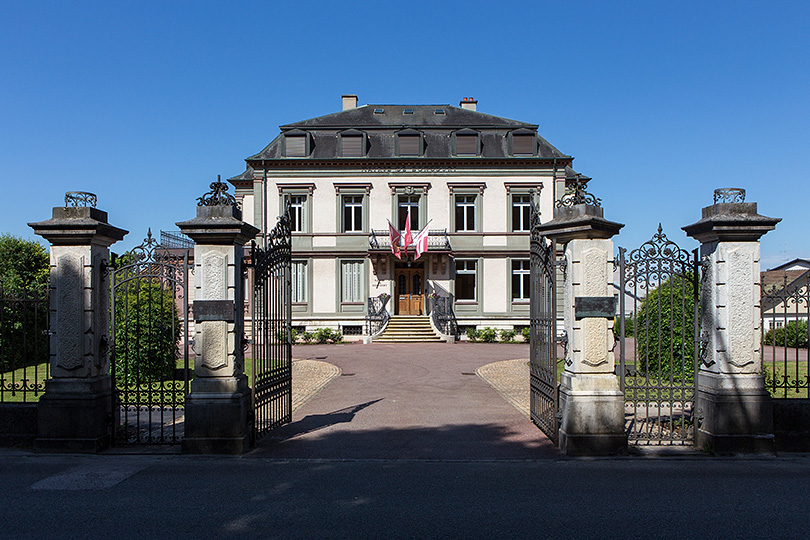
407,238
395,236
421,242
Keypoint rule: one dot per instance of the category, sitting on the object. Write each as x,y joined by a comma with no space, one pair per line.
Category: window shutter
523,145
467,145
352,146
296,145
409,145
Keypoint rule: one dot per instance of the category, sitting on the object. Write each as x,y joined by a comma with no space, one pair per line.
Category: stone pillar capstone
218,411
591,402
734,410
75,413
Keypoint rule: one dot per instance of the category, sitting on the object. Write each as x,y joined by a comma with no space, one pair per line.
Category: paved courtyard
415,401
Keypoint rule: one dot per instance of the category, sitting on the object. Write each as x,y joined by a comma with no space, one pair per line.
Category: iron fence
785,337
24,343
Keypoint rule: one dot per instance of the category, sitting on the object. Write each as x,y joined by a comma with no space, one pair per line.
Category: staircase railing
444,318
377,315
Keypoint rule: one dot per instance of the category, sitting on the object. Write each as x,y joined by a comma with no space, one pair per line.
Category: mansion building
470,178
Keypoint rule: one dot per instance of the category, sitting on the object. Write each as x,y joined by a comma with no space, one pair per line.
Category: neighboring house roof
795,264
778,285
381,123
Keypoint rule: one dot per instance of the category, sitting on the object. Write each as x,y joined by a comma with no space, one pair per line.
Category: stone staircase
408,329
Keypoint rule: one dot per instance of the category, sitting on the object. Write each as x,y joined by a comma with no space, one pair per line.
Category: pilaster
218,410
75,410
734,410
591,402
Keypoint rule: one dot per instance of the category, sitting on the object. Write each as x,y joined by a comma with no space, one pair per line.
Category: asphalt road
143,497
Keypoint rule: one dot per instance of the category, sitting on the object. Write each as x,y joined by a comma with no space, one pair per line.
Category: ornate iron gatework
150,343
272,329
785,335
658,341
24,341
444,318
544,396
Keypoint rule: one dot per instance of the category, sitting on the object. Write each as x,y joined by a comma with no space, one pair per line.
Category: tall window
465,279
352,213
299,281
521,280
351,281
521,212
297,206
404,202
465,213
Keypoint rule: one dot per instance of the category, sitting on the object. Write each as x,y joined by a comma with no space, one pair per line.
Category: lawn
35,375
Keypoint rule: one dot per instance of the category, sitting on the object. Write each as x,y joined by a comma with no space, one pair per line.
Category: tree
147,326
664,330
796,332
23,303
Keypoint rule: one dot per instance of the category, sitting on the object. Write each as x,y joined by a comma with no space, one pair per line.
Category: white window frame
467,202
466,271
298,278
523,270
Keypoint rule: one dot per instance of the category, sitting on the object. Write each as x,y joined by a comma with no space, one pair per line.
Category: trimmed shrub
508,336
664,330
793,334
472,334
307,337
488,335
327,335
526,332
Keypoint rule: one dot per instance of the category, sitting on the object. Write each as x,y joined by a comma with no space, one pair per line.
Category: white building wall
325,280
494,284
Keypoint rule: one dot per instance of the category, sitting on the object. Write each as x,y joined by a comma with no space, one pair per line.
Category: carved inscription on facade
214,282
70,311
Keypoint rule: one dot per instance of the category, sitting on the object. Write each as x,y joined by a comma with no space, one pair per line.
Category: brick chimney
349,101
468,103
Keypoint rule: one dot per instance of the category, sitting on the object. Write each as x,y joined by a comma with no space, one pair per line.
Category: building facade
470,178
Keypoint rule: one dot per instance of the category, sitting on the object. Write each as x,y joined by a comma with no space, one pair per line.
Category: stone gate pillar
218,410
734,411
591,403
75,412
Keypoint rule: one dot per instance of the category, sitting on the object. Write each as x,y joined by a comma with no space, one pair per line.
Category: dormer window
523,143
296,144
409,143
466,143
352,144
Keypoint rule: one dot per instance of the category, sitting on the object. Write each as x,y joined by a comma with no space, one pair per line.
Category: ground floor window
521,280
466,279
351,281
299,281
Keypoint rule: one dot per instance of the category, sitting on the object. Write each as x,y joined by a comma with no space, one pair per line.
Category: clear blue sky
144,103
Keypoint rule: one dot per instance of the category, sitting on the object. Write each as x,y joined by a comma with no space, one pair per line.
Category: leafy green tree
664,330
23,303
147,326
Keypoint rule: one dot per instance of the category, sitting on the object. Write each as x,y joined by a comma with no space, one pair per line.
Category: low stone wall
18,424
791,424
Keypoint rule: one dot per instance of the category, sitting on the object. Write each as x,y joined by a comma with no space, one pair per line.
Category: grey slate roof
381,130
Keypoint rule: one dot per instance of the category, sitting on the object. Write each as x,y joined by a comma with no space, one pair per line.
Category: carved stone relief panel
70,311
214,277
214,344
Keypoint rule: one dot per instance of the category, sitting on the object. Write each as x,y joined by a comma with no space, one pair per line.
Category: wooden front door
409,289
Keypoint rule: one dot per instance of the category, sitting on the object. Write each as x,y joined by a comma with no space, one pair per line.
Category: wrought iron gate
658,340
272,329
150,343
544,396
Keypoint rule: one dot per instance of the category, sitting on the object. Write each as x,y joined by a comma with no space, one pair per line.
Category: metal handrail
381,239
444,318
377,315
